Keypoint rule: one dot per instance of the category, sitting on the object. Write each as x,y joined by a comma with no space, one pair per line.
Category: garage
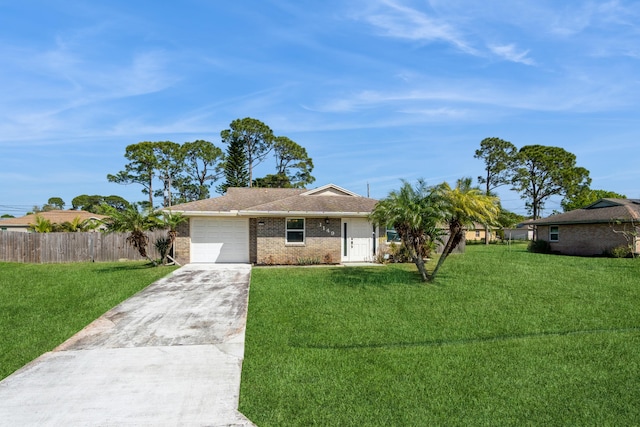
220,240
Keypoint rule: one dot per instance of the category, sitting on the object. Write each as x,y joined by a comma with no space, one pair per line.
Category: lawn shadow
378,276
465,341
126,266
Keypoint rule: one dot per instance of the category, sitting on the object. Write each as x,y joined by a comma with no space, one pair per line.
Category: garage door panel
219,240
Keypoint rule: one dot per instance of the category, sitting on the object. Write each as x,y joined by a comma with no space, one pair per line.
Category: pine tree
236,173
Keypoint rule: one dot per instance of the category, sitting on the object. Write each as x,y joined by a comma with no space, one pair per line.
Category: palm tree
459,207
411,211
134,222
78,224
171,221
42,225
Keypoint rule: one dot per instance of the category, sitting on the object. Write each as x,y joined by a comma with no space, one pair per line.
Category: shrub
539,247
308,261
619,252
399,253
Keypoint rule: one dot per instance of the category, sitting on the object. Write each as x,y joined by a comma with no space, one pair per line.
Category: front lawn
504,337
41,305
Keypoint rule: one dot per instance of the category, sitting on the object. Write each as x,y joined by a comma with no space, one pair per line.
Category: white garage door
219,240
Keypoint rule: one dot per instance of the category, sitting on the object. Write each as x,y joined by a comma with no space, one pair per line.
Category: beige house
55,217
478,233
593,230
327,225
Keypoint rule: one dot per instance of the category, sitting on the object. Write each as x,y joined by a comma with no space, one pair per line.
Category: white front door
357,240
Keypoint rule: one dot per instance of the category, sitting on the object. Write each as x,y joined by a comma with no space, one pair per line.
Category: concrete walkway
170,355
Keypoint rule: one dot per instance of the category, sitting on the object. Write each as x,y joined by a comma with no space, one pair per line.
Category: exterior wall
253,241
518,234
321,245
582,239
182,245
470,235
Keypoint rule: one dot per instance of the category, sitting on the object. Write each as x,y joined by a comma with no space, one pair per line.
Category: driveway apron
170,355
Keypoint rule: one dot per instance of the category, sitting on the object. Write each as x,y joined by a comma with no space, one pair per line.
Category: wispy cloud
511,53
399,21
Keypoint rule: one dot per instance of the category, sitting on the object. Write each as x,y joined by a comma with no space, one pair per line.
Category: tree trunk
419,262
455,236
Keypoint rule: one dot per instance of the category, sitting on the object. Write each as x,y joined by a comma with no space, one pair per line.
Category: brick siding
321,245
582,239
182,245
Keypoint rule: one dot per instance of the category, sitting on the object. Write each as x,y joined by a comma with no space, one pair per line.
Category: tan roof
602,211
326,200
55,216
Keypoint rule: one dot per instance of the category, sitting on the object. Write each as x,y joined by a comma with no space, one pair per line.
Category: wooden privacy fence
72,247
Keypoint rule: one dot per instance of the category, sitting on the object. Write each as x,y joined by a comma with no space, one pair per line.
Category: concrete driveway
170,355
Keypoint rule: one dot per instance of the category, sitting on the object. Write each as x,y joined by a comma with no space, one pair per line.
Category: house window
392,235
477,233
295,230
554,233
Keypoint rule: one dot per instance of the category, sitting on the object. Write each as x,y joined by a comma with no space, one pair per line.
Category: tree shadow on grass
378,276
466,341
126,266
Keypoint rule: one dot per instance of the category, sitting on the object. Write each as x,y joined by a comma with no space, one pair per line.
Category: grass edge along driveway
42,305
503,337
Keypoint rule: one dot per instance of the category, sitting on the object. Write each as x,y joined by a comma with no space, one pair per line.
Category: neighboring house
522,231
478,232
327,225
54,216
593,230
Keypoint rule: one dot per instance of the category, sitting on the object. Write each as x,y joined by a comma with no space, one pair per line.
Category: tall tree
255,137
293,162
201,168
55,203
462,206
586,196
273,181
235,166
542,171
141,168
169,165
413,213
498,156
94,203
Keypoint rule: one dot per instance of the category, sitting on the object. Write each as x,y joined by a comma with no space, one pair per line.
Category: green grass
41,305
504,337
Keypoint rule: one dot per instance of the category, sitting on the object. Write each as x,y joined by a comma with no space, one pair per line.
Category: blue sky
375,90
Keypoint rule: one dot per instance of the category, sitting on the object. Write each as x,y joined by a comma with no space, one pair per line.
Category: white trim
330,186
286,231
275,214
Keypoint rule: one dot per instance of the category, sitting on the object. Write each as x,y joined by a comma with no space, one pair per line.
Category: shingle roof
602,211
55,216
275,201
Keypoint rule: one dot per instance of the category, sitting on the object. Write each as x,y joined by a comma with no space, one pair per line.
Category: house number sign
326,229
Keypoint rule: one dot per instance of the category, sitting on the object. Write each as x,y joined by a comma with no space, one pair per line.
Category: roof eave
249,213
306,214
595,221
205,213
